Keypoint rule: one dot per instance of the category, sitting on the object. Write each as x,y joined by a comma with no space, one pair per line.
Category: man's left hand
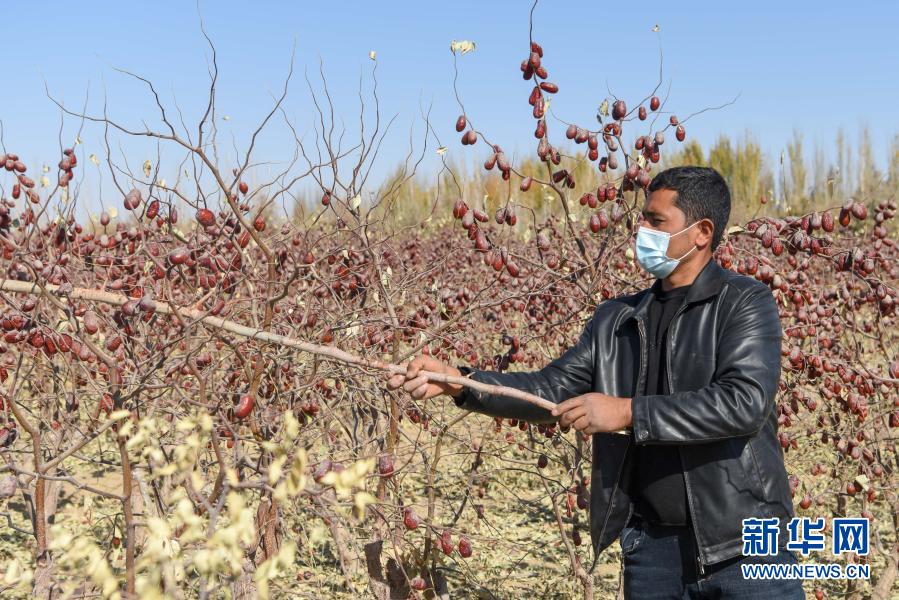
594,412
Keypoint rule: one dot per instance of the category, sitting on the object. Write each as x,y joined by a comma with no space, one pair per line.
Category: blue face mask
652,251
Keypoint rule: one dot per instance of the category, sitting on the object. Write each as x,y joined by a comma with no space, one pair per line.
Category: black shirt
658,490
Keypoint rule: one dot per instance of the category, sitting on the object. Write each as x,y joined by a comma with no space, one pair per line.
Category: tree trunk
884,588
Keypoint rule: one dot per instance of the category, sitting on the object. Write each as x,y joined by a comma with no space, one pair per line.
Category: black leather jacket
724,362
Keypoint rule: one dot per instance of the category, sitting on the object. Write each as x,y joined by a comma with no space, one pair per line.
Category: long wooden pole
24,287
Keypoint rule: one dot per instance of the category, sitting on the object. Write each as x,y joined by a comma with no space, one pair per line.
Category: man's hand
594,412
418,386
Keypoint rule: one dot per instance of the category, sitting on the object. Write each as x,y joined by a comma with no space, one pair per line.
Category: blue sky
811,66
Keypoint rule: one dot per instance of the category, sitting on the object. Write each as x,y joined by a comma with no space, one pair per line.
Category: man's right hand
418,386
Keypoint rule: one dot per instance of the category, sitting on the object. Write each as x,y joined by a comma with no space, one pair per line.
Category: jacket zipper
640,375
680,456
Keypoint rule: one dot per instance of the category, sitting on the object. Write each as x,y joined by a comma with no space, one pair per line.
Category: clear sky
812,66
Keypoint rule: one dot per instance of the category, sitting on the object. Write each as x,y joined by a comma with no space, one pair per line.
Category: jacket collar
707,284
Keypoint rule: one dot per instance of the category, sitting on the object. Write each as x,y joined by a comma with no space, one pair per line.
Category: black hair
702,193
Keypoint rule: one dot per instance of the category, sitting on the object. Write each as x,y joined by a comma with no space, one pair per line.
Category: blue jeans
660,563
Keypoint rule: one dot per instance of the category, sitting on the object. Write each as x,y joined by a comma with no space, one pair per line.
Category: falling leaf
226,118
45,181
45,169
463,47
656,28
441,150
94,159
148,166
604,108
371,54
113,212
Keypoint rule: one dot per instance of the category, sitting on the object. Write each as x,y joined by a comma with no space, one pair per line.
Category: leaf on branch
355,202
148,166
734,229
604,108
371,54
274,567
17,576
196,480
94,159
360,501
275,469
441,150
346,480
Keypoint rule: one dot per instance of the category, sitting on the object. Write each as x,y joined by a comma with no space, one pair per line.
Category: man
690,367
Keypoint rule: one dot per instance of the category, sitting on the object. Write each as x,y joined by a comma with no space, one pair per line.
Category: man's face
660,213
